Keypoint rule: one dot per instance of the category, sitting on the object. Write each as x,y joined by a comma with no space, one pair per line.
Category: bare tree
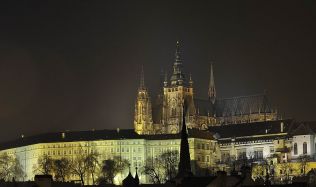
162,168
171,161
61,169
44,165
79,166
10,167
303,160
287,169
17,170
110,168
92,164
154,170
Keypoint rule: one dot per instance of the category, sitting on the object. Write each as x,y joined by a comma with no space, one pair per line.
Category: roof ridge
243,96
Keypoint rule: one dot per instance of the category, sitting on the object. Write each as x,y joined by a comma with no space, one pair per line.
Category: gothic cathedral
165,116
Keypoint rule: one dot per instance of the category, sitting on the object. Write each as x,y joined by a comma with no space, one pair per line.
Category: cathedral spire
142,79
177,77
211,87
177,54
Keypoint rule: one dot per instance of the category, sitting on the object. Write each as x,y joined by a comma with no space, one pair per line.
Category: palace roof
304,128
72,136
253,129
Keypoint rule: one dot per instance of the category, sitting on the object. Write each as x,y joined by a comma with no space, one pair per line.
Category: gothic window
173,111
304,148
295,148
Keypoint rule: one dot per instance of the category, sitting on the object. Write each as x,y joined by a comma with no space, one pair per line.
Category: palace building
110,143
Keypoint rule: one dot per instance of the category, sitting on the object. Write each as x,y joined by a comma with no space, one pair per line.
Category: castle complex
165,116
220,132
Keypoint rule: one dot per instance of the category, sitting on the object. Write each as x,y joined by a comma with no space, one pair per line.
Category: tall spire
177,77
184,164
165,82
211,87
142,79
177,54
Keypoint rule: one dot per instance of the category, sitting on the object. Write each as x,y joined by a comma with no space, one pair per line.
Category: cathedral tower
175,92
143,123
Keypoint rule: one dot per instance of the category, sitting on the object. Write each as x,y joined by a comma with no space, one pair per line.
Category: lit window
295,148
304,148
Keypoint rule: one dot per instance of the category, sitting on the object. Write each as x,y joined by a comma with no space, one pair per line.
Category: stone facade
126,144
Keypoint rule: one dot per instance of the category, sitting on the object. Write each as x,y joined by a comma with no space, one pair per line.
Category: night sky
75,65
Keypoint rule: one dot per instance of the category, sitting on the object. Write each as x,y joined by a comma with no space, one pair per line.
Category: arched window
304,148
295,148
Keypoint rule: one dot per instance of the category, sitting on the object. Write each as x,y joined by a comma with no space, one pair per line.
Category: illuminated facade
165,115
109,143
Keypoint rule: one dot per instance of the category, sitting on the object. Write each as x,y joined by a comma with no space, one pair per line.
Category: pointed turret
165,82
211,87
190,81
177,77
184,164
143,111
142,80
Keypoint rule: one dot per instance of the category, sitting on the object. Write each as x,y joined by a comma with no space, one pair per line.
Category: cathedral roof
73,136
204,107
234,106
242,105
